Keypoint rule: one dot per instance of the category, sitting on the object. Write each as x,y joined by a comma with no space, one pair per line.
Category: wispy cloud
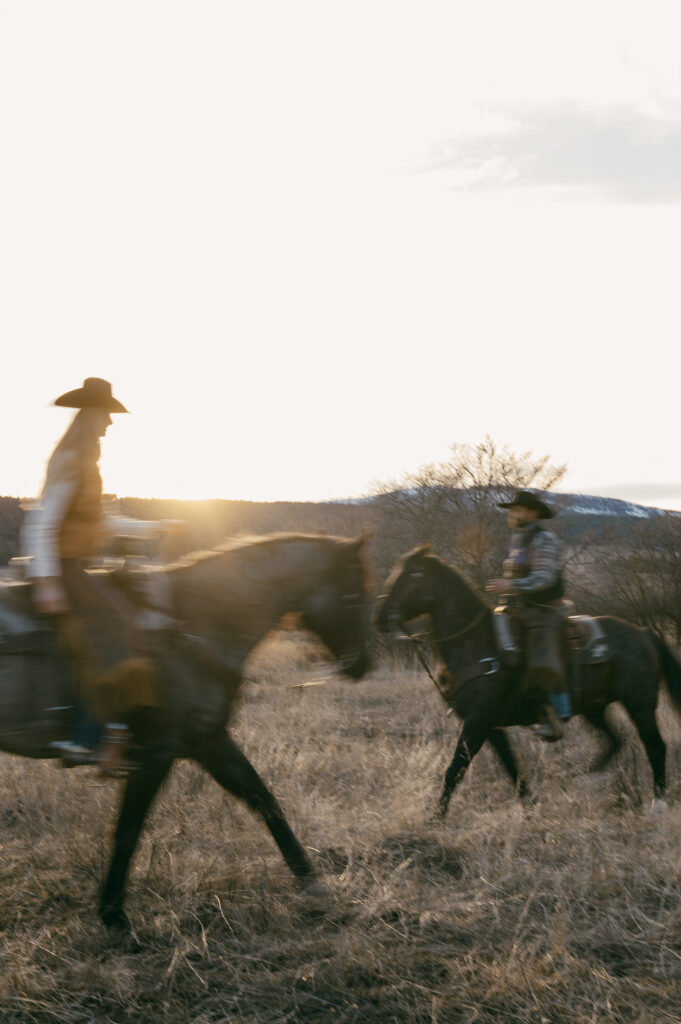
621,152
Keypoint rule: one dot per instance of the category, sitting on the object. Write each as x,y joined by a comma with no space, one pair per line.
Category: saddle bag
587,640
505,636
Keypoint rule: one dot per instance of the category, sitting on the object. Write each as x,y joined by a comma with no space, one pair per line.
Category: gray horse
218,605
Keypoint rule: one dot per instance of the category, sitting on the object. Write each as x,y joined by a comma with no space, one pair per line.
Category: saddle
585,639
585,644
23,630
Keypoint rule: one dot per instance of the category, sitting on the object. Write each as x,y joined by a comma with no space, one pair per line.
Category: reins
473,672
461,632
416,640
417,643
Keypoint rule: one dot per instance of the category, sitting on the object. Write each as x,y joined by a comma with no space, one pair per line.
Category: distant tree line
11,515
615,565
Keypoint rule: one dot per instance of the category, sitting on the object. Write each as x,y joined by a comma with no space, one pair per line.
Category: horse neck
254,587
461,619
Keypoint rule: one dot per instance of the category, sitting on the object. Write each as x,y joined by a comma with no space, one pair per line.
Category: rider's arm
40,533
162,534
139,529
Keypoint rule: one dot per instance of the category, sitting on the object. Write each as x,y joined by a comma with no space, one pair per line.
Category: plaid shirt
535,560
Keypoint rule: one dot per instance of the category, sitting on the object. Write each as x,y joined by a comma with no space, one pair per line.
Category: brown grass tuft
566,911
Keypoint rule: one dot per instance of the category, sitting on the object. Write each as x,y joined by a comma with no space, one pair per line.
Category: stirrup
72,754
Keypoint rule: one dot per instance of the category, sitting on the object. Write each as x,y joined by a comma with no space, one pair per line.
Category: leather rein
483,667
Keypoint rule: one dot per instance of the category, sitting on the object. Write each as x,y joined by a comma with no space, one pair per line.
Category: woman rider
62,533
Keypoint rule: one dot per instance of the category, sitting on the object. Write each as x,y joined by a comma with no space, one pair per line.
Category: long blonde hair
81,437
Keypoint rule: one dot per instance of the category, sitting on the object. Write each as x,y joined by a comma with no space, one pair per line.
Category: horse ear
366,535
420,551
355,544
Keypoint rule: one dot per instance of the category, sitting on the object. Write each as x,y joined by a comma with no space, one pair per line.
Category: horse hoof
115,920
120,932
658,806
318,890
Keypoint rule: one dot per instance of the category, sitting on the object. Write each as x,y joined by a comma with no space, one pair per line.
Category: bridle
475,671
461,632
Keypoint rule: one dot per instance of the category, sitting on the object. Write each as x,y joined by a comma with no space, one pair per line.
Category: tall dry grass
567,911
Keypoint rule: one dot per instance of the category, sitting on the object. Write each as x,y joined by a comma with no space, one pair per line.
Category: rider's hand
498,587
49,596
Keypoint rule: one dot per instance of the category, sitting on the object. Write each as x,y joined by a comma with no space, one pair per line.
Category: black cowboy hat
94,394
529,500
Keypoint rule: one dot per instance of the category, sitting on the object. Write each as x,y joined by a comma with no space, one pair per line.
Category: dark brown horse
225,602
490,698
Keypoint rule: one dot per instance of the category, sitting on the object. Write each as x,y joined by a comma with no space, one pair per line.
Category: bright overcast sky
312,244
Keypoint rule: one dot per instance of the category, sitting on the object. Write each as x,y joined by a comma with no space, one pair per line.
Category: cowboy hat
529,500
95,393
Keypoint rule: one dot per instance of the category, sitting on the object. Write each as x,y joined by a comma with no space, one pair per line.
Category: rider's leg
545,668
562,704
102,639
129,685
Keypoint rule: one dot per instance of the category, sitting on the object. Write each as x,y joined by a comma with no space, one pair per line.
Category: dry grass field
565,911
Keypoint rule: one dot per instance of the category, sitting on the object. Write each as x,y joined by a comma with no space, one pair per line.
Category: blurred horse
210,612
487,695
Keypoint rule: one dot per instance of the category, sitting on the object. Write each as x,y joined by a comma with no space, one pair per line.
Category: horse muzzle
386,620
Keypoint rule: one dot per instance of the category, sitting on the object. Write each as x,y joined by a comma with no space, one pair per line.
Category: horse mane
246,543
450,572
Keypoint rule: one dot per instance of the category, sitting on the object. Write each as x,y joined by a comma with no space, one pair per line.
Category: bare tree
633,570
455,503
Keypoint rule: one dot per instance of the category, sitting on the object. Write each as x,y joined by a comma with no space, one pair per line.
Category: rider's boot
111,756
72,753
551,728
130,684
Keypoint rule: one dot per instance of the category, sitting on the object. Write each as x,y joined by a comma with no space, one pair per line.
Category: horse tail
671,669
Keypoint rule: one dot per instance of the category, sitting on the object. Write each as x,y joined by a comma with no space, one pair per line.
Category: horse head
334,608
408,591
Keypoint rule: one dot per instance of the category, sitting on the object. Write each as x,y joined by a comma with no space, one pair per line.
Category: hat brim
79,398
543,510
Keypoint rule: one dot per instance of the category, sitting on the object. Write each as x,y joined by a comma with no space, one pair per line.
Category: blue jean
561,704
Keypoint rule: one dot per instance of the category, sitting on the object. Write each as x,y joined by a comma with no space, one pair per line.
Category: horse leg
473,735
231,768
596,717
504,751
140,790
656,749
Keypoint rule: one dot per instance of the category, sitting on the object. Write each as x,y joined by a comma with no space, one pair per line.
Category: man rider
533,588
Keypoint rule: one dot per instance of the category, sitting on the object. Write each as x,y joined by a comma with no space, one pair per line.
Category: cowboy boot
111,754
551,728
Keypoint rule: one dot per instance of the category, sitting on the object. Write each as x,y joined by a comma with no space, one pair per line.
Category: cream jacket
68,519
